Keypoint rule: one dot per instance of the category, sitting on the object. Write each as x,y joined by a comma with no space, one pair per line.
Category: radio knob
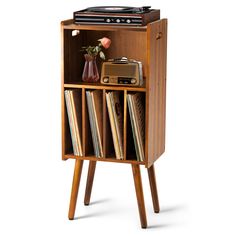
128,21
133,81
118,21
105,80
108,20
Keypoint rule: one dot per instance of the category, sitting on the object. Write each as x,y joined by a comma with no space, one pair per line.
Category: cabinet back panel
73,56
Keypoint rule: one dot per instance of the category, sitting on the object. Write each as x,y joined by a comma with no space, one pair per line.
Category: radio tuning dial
133,81
105,80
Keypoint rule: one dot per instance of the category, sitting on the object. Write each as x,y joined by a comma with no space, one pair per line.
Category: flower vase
90,72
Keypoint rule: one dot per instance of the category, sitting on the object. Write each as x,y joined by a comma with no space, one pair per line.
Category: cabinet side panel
164,63
156,91
66,141
62,95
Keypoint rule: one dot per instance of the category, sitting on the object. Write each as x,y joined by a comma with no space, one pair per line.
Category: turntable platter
112,9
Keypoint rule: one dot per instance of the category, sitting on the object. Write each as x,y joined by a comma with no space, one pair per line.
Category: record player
116,15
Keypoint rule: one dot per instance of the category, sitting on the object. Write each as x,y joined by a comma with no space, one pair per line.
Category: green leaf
97,49
102,55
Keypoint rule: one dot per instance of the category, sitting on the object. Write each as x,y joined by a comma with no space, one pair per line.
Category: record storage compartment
107,142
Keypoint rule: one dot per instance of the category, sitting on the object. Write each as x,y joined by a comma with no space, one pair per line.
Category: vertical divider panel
104,115
83,120
87,135
109,151
66,136
63,119
146,128
125,124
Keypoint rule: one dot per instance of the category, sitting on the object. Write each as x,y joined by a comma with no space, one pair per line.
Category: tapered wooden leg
89,185
139,194
75,188
153,186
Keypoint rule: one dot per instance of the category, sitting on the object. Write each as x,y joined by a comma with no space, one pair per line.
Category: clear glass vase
90,72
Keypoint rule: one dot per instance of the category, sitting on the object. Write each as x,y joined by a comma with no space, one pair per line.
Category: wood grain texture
139,195
152,39
74,56
63,121
109,158
104,114
86,128
84,125
153,187
125,124
101,86
89,184
155,91
66,140
69,24
108,141
75,188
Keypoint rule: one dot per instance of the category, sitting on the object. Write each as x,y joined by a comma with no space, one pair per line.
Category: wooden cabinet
143,43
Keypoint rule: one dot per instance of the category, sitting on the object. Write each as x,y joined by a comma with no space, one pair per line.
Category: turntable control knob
128,21
118,20
133,81
108,20
105,80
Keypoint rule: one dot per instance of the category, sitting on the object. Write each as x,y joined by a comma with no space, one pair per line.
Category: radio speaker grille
120,70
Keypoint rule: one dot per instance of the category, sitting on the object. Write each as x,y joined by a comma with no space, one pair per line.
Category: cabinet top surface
68,24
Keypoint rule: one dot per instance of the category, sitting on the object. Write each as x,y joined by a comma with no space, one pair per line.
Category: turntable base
116,15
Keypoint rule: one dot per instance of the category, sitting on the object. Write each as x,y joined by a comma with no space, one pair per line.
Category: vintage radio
122,72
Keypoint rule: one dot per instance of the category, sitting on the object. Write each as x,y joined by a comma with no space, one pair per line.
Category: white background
196,175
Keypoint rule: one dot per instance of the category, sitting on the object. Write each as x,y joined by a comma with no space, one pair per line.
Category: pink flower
93,51
106,42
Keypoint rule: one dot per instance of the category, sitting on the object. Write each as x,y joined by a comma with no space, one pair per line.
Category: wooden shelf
102,86
107,159
68,24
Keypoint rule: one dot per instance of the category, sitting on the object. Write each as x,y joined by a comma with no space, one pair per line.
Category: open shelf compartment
124,43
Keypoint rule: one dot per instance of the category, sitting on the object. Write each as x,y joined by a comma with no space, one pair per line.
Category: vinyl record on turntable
111,9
